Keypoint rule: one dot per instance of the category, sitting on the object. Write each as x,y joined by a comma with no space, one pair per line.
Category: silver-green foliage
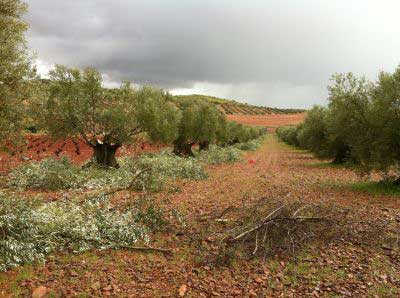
49,173
155,170
15,69
251,145
76,104
169,165
31,229
216,155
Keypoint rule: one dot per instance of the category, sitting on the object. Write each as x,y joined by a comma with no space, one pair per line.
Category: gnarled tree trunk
342,154
104,155
204,145
233,142
397,182
183,148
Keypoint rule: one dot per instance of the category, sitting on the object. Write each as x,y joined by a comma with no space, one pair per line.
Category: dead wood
273,225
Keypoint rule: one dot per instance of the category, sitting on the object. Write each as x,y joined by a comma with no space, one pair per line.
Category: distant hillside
231,107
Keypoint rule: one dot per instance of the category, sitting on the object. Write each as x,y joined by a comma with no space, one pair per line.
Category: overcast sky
267,52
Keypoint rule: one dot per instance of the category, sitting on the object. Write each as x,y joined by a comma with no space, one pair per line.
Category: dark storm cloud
277,52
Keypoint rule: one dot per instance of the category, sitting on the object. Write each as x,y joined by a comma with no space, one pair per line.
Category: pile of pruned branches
275,225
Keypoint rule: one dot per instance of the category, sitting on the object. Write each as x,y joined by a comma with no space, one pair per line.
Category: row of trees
361,124
73,103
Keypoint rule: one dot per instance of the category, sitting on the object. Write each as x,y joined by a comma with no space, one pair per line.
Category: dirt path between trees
276,171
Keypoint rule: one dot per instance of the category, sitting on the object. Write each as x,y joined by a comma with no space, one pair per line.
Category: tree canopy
14,69
77,105
201,123
361,124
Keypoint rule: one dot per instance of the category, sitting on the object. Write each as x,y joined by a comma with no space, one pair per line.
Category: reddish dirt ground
40,147
336,269
271,121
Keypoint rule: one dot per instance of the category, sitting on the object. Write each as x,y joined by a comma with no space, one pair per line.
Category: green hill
232,107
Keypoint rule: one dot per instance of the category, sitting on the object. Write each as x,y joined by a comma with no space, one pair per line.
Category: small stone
39,292
182,290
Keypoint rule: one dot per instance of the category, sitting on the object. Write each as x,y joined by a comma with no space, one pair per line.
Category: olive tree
347,117
200,123
14,69
312,134
385,125
288,134
239,133
77,105
210,123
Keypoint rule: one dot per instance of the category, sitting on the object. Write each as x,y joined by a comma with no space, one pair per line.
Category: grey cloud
278,52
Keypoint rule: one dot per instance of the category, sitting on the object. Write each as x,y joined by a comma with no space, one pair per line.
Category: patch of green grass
273,265
24,273
294,272
52,294
341,274
328,164
376,188
383,290
379,266
369,187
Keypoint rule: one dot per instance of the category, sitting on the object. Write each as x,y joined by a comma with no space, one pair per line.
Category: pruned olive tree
210,122
15,69
201,123
186,129
77,105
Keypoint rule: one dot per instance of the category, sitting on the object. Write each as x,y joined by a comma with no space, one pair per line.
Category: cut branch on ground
272,226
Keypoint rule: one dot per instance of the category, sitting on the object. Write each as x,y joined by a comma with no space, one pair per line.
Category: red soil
41,146
271,121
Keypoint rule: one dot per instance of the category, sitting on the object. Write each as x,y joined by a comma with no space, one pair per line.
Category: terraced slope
232,107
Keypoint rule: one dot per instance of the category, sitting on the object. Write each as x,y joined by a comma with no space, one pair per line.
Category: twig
225,211
147,249
265,220
256,247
